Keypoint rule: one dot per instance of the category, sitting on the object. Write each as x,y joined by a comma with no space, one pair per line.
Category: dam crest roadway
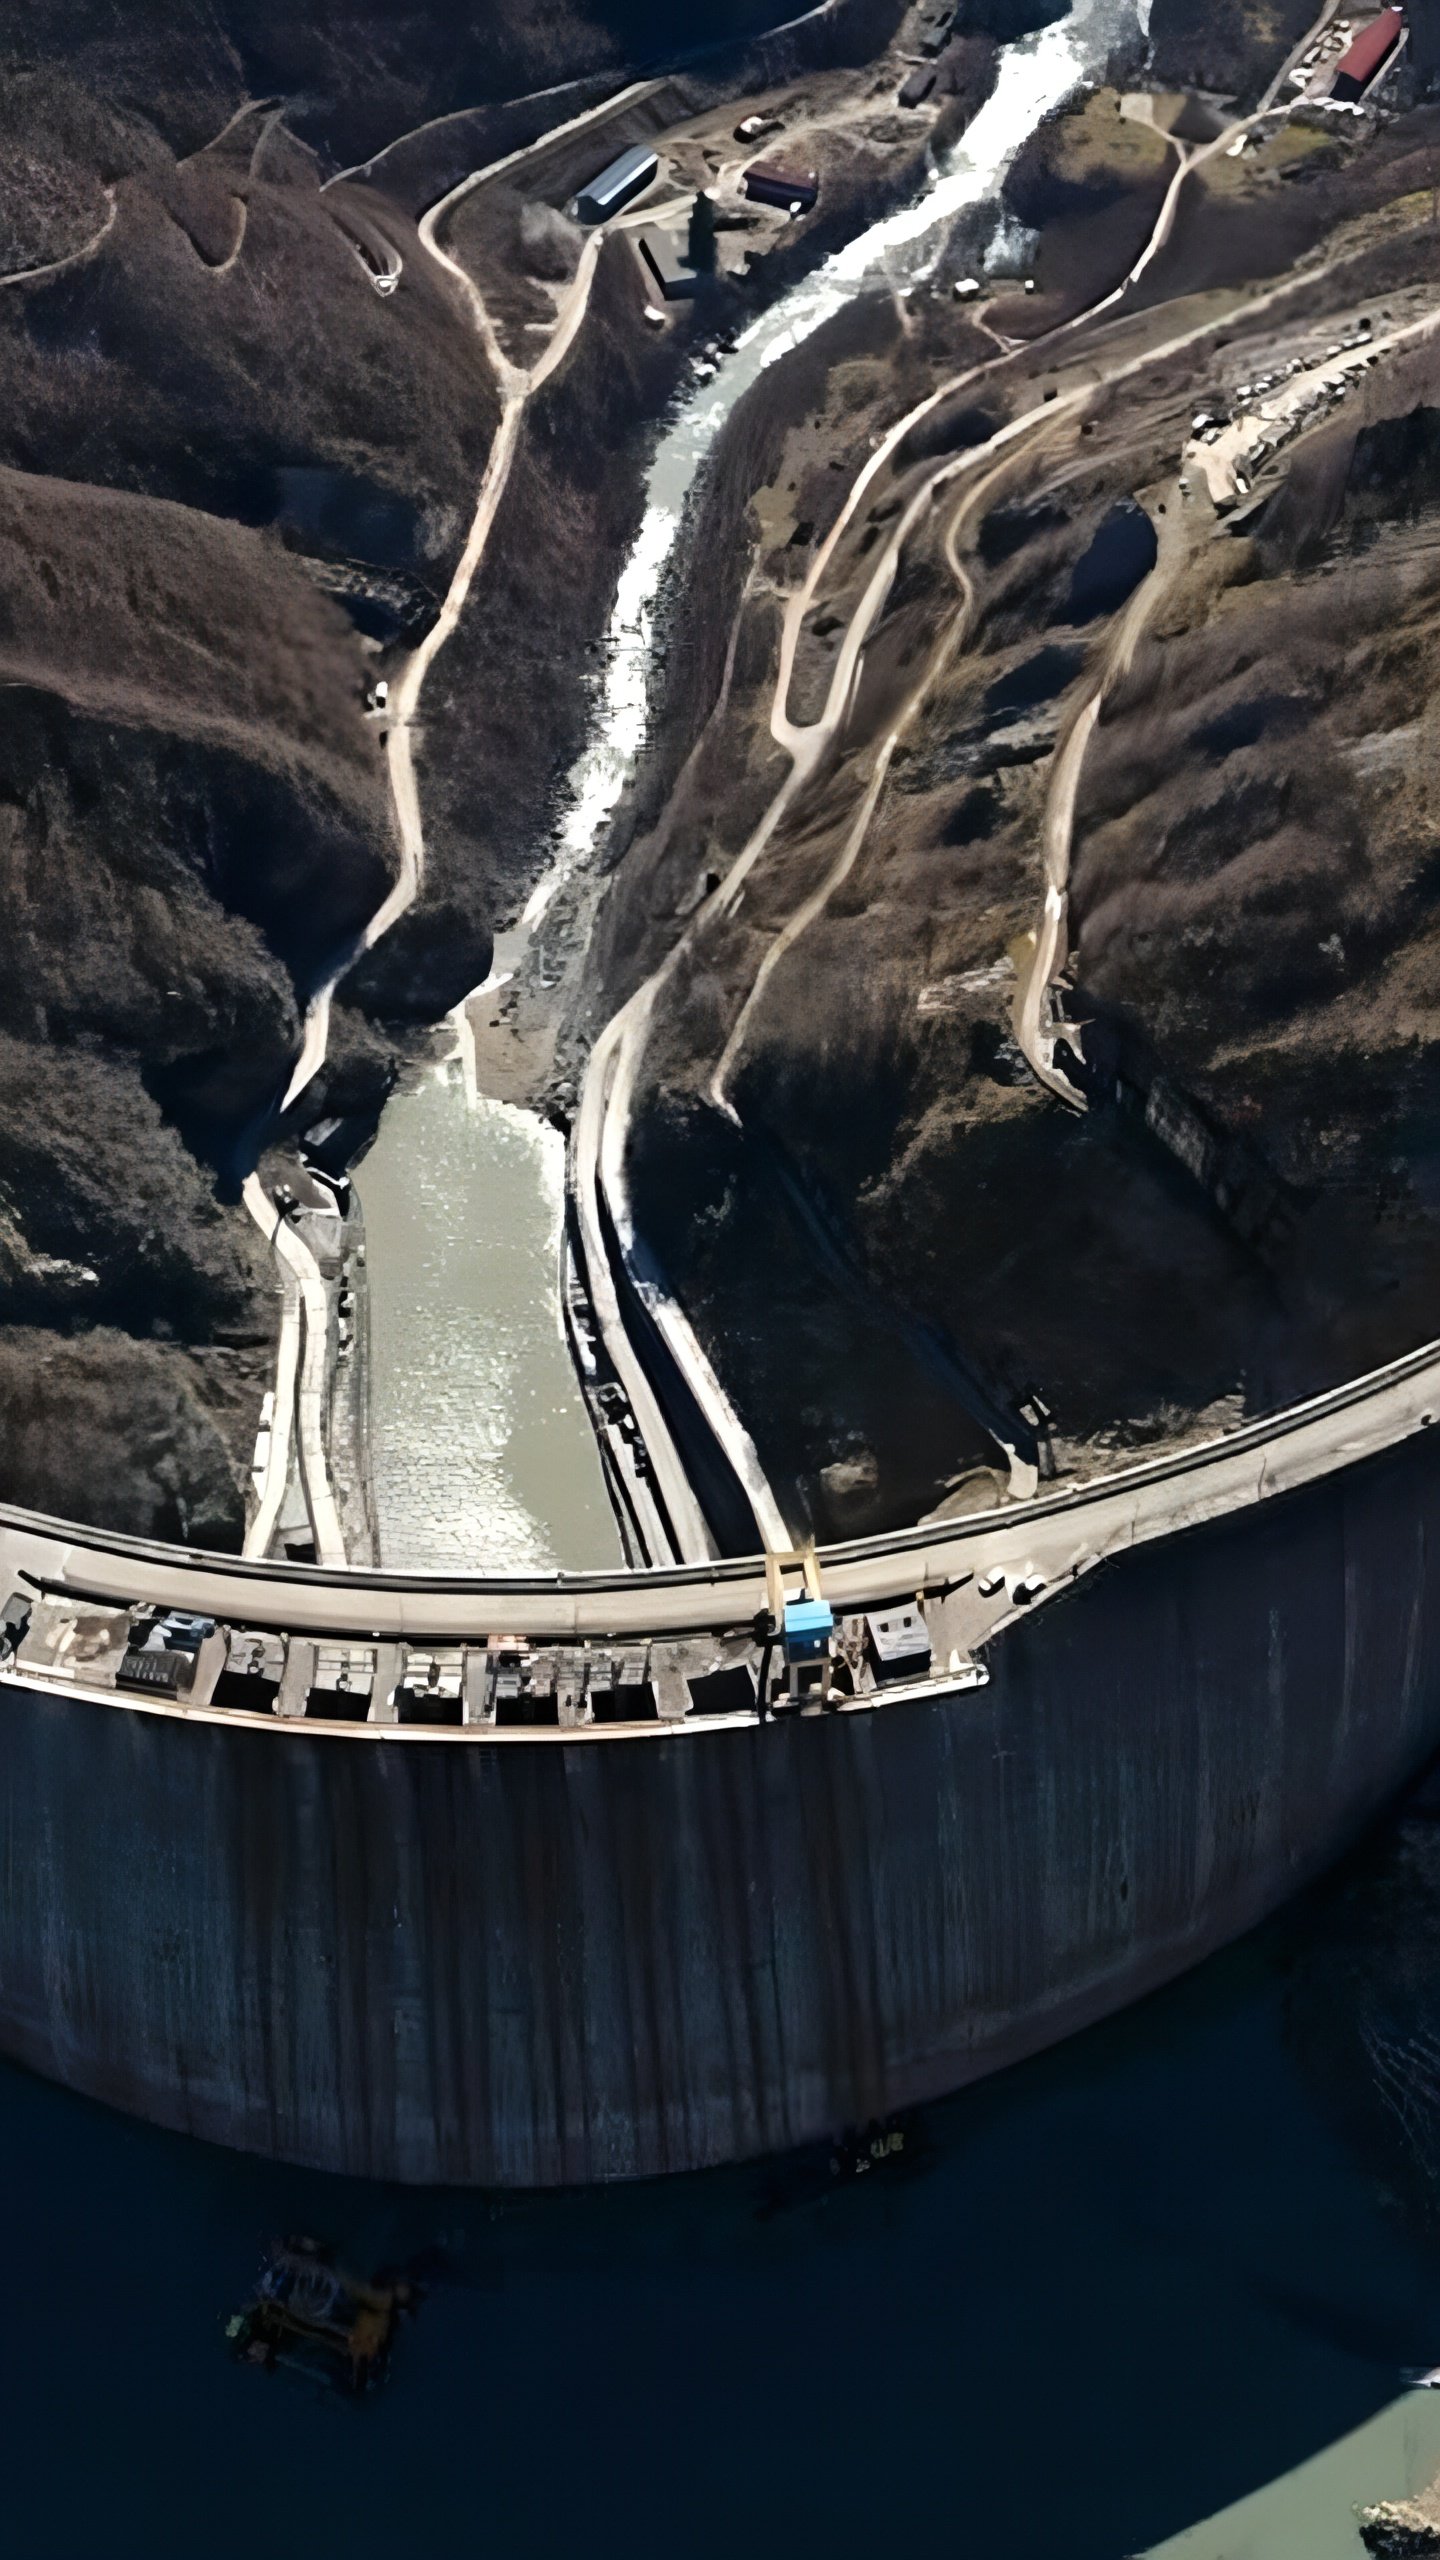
393,1641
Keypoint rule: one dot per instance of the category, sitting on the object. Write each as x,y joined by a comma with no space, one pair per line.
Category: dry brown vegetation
135,1436
1254,909
192,816
1231,46
1257,880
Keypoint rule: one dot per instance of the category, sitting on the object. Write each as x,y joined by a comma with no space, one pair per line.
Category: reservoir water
1137,2296
481,1456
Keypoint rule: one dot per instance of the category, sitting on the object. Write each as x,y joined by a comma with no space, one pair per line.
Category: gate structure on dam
568,1877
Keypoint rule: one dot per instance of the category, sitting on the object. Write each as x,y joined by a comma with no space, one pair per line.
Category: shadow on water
1097,2300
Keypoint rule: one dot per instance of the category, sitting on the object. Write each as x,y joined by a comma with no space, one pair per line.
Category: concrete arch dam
512,1883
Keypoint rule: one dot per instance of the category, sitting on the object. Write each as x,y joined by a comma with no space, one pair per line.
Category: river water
482,1454
482,1451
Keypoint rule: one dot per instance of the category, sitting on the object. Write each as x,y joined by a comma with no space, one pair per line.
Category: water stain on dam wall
527,1964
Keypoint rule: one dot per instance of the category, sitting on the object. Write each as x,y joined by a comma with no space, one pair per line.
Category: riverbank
494,763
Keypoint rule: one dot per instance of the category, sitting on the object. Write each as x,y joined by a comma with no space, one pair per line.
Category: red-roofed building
792,189
1368,54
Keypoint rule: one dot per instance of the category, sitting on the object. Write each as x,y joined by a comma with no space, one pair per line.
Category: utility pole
700,245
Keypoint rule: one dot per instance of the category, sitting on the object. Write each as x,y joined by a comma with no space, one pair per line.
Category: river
482,1456
482,1452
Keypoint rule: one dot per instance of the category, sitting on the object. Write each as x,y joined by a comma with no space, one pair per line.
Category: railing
484,1645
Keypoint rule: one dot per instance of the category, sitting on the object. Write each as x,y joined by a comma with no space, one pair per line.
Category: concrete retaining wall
527,1963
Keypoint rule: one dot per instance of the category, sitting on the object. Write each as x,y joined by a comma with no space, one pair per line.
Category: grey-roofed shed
618,185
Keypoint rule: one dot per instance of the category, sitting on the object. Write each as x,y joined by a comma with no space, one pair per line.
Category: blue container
809,1626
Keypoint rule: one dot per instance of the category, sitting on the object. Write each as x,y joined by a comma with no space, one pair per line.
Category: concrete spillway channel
512,1882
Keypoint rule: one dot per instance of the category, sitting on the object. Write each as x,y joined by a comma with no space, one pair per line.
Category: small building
935,39
619,184
898,1643
1368,54
808,1631
665,269
793,190
916,89
15,1622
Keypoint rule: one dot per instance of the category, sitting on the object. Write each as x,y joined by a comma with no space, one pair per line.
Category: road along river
459,1199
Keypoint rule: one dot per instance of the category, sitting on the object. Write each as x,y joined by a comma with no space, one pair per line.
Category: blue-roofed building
618,185
809,1626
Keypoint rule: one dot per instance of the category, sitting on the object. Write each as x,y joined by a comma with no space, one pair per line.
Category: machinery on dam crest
570,1877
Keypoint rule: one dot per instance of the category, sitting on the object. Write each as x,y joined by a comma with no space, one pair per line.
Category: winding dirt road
602,1127
1033,1022
72,257
295,1394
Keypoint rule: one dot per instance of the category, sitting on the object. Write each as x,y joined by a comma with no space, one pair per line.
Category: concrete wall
538,1962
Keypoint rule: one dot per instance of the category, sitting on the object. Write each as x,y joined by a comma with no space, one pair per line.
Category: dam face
514,1963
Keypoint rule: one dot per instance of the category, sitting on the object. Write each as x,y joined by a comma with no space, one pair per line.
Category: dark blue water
1116,2290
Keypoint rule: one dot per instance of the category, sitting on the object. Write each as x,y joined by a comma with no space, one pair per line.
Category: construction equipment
804,1622
309,2318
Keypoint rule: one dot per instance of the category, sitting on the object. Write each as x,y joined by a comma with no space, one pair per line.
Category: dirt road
72,257
517,387
301,1388
602,1128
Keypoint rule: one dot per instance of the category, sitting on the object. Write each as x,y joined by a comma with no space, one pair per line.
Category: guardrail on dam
582,1913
